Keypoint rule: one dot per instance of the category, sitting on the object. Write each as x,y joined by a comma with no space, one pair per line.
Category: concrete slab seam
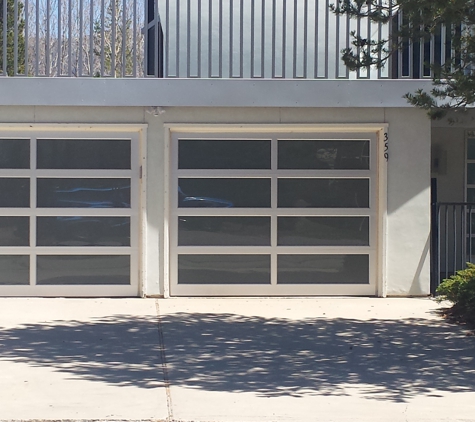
163,358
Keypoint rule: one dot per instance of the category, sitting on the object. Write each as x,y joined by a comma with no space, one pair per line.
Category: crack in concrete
163,358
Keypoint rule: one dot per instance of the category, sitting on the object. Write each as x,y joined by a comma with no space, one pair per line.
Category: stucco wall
408,212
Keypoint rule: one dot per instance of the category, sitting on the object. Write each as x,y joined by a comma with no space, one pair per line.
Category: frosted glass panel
223,269
14,231
323,231
308,154
87,269
323,193
224,231
14,153
83,193
323,269
224,193
227,154
14,193
14,269
83,231
83,154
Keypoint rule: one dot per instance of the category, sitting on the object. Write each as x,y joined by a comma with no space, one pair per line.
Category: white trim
167,200
382,284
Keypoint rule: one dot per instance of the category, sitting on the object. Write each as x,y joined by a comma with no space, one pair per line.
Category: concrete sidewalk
236,360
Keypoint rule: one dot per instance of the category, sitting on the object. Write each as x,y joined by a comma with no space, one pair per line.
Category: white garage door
69,218
273,214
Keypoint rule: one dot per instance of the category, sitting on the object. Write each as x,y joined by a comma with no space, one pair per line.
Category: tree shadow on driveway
272,357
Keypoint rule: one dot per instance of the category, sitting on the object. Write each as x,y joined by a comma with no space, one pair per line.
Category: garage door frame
381,158
137,133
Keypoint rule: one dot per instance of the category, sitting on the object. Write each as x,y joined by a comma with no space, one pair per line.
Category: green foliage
460,290
454,80
11,39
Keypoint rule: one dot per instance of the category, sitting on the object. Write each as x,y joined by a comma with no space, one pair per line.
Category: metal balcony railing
194,39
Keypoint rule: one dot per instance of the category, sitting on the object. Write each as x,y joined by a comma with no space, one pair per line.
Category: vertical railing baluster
327,29
439,244
263,27
15,36
305,40
113,37
446,242
59,39
316,39
294,45
231,33
252,75
454,222
337,45
241,39
91,38
166,72
47,39
210,38
284,37
199,40
123,35
81,37
273,37
37,39
134,39
70,37
103,53
177,43
470,233
27,35
462,236
188,39
220,39
5,32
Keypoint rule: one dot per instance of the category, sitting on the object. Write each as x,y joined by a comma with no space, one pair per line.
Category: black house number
386,146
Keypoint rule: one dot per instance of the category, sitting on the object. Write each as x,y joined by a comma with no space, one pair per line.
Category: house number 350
386,146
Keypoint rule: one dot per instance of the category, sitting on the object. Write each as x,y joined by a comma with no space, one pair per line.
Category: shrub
460,290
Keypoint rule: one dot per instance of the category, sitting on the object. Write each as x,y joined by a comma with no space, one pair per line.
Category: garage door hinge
141,172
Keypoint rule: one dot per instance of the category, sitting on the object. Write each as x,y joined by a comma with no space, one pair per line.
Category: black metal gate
453,239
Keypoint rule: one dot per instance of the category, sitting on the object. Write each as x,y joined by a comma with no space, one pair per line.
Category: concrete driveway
219,360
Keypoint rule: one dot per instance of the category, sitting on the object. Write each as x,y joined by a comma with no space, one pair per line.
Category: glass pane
471,173
224,193
14,231
471,149
14,153
323,231
471,195
309,154
224,231
323,193
323,269
83,231
14,269
14,193
218,154
87,269
83,193
83,154
223,269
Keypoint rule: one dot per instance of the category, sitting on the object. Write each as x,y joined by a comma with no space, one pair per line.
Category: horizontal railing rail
453,239
298,39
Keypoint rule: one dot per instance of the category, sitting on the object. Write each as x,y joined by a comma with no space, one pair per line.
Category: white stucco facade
403,181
